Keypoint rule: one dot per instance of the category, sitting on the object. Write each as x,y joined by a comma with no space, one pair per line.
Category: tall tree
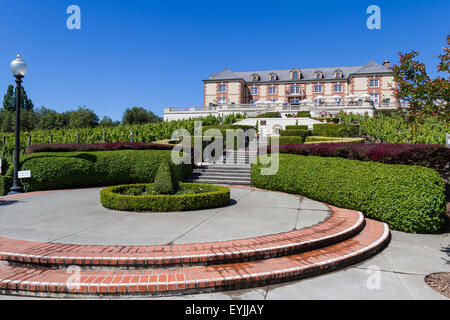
9,99
138,115
83,118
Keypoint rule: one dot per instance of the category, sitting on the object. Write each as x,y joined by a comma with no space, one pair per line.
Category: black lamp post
19,69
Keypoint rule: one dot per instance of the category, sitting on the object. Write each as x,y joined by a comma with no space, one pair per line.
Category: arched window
295,75
255,77
318,75
273,76
338,74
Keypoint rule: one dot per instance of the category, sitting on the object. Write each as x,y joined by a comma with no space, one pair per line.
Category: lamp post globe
19,69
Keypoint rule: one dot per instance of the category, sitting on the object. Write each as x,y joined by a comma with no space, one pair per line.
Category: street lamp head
18,67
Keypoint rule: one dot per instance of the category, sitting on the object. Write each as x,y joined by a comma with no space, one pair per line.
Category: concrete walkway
75,217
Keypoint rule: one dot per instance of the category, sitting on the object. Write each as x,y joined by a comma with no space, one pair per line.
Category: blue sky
154,54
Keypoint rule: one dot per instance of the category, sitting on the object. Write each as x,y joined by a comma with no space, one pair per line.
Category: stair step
163,281
223,182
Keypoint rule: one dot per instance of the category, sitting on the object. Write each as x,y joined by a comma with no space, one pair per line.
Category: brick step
185,280
342,225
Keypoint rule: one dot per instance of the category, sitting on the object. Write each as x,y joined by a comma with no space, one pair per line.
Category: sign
447,140
24,174
263,122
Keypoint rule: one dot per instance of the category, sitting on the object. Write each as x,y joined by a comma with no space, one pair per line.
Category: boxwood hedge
213,196
408,198
335,130
62,170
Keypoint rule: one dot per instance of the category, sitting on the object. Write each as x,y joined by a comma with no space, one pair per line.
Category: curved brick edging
183,280
342,225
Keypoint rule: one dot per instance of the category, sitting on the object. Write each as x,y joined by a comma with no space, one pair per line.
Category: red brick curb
182,280
342,225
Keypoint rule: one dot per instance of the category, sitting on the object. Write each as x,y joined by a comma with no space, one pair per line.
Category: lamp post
19,69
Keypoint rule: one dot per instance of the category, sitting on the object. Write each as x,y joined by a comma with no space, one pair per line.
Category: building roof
307,73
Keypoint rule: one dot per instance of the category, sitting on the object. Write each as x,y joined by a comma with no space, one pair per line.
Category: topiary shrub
297,127
196,196
335,130
165,181
293,133
408,198
63,170
288,140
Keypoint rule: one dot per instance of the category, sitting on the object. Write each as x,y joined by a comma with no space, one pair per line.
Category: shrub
5,185
270,115
211,196
316,139
303,114
436,157
335,130
297,127
293,133
110,146
90,169
408,198
165,181
5,165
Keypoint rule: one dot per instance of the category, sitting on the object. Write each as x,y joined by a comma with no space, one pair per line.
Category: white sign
448,140
24,174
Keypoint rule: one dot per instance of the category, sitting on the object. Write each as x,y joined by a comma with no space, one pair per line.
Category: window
253,101
295,89
338,88
255,77
318,75
253,90
295,101
375,97
272,90
273,77
295,75
338,74
318,88
222,100
374,83
222,88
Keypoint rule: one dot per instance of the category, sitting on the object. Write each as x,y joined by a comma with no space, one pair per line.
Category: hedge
304,114
293,133
109,146
335,130
215,196
436,157
297,127
408,198
5,185
57,170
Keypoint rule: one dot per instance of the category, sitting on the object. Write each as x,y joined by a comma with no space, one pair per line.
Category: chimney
387,64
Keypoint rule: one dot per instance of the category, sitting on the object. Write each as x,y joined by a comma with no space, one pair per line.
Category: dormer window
273,77
318,75
255,77
338,74
295,74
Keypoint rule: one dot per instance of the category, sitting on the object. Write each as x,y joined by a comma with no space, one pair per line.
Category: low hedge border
294,133
315,140
288,140
216,196
408,198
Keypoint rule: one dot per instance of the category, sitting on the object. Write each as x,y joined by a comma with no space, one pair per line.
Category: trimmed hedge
408,198
303,114
165,181
335,130
109,146
297,127
436,156
293,133
5,185
90,169
214,196
269,115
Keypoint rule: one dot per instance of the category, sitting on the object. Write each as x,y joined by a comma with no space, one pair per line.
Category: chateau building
292,86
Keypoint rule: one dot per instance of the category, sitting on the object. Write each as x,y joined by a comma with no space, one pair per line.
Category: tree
137,115
425,96
83,118
9,99
107,122
7,123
